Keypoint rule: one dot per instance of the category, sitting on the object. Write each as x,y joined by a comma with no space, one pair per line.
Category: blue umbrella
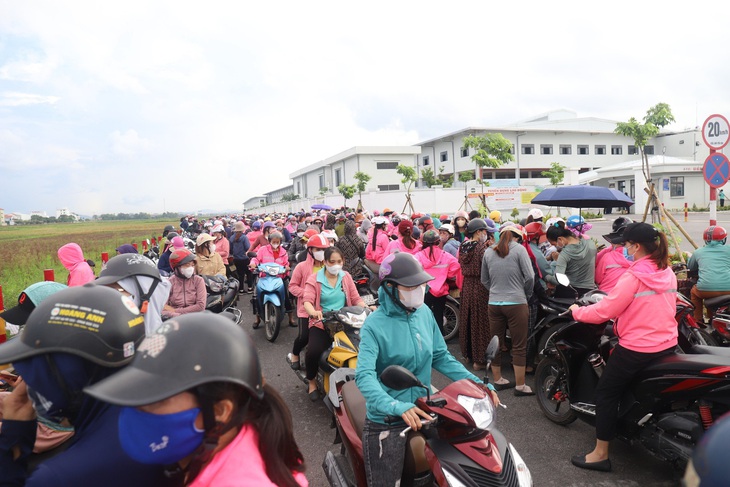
321,206
583,196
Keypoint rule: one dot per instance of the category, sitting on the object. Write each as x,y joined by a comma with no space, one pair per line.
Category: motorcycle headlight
523,473
354,320
480,409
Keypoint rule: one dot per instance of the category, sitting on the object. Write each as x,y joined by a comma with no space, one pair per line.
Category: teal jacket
713,264
392,336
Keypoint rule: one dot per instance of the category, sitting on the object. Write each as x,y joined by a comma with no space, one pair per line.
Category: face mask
274,246
159,439
557,245
300,234
187,272
44,407
629,257
334,269
413,298
211,247
318,255
483,238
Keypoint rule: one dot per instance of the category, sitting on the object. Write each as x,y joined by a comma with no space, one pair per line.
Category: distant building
276,195
255,202
66,212
2,217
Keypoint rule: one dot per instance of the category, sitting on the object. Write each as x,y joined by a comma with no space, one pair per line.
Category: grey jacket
578,262
508,279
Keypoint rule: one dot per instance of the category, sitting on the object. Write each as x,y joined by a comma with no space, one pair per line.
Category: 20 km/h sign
716,132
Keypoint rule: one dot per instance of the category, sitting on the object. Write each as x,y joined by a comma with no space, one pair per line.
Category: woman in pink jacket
187,290
274,252
444,268
643,302
222,247
204,411
405,243
330,289
79,271
377,244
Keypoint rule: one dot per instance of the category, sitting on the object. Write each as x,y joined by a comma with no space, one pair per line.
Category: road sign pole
713,206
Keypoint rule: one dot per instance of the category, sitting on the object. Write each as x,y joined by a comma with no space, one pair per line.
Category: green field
26,250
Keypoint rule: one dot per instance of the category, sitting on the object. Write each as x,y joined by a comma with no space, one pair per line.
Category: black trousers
319,341
303,338
437,306
241,271
622,367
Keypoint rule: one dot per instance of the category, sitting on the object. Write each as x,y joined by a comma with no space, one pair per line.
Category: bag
333,327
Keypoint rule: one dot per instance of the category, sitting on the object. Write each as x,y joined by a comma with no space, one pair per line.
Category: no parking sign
716,170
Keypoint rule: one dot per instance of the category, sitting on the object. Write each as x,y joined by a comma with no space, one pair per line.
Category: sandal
503,386
294,365
525,391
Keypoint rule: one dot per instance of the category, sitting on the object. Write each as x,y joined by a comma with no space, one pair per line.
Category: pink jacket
265,254
297,282
223,248
186,295
381,246
79,271
399,246
610,265
643,303
442,266
313,293
239,464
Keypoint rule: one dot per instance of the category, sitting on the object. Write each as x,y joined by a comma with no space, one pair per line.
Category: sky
139,106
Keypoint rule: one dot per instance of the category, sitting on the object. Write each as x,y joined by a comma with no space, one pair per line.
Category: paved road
546,447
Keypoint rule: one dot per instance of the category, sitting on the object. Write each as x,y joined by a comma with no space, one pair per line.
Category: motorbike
268,299
665,409
222,296
152,252
460,446
344,325
719,309
367,284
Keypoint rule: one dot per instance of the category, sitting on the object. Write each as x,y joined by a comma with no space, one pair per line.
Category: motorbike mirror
399,378
492,348
562,279
251,254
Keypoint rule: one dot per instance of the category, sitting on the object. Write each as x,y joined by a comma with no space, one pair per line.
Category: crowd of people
127,377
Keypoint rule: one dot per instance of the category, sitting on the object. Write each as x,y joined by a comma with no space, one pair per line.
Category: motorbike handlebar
424,422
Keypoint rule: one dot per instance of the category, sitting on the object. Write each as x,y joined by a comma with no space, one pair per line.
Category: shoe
505,386
529,370
294,365
602,466
525,391
478,366
314,396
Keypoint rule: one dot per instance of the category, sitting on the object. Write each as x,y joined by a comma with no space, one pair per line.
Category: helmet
167,365
168,228
379,220
107,334
256,225
491,226
318,241
516,229
461,214
403,269
535,213
430,237
715,233
534,229
387,211
180,257
426,220
310,233
376,213
329,234
267,219
172,235
553,221
218,229
444,218
574,221
475,225
127,265
447,227
268,224
618,227
496,215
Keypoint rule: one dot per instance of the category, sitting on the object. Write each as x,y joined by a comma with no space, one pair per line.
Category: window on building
388,187
632,150
321,181
616,150
338,177
426,160
387,165
546,149
582,150
566,150
622,186
524,174
504,174
583,169
600,150
649,150
512,149
444,156
676,186
464,152
528,148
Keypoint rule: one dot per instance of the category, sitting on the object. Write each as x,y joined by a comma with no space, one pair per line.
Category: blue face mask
630,258
159,439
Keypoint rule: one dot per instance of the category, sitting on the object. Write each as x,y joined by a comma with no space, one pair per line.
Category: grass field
26,250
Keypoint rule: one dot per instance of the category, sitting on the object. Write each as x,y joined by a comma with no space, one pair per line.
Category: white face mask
334,269
413,298
211,247
187,272
274,245
483,237
318,255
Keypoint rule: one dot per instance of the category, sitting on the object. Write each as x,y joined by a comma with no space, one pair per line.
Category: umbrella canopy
582,196
321,206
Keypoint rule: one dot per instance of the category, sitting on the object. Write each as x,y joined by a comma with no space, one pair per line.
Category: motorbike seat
716,302
685,364
708,350
354,406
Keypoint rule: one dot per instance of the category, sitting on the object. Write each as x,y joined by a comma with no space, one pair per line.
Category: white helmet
535,213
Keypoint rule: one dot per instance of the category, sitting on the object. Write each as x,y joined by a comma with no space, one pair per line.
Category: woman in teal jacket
402,332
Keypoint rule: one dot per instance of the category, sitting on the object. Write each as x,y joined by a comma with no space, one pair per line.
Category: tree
556,173
490,150
428,177
409,177
465,177
289,197
362,183
323,190
657,117
347,191
445,181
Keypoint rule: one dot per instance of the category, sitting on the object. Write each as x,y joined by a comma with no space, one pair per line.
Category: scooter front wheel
273,316
451,320
552,396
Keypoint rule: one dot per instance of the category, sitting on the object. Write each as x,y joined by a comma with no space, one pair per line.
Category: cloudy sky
126,106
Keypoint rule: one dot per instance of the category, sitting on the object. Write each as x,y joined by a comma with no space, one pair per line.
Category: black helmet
131,265
475,225
90,321
168,229
166,364
617,229
403,269
430,237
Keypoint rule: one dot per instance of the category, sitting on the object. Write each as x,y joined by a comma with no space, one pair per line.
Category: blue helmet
710,456
574,221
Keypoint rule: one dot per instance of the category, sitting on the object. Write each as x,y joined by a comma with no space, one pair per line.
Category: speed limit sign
716,132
